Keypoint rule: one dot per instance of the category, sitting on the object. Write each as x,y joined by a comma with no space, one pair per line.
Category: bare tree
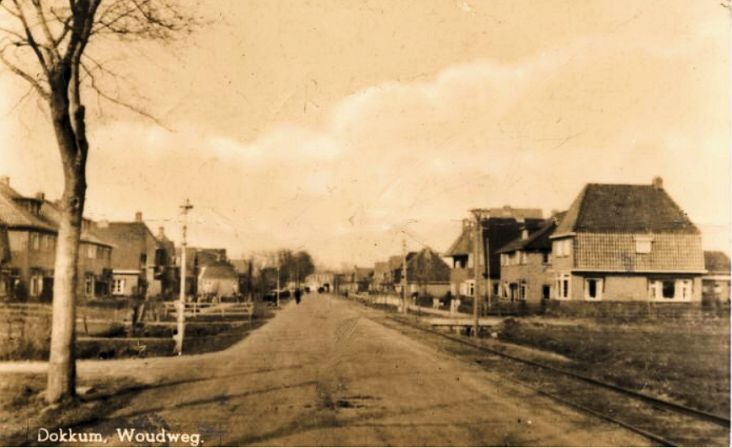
45,42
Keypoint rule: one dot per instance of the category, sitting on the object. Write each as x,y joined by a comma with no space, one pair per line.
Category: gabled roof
218,270
463,245
537,240
123,232
16,216
617,208
716,261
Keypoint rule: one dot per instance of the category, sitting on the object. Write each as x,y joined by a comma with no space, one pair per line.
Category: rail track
661,421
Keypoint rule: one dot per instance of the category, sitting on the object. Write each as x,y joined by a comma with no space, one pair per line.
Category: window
562,248
522,290
89,285
545,257
670,289
35,240
593,288
143,260
118,286
643,244
522,257
503,259
36,285
91,251
563,286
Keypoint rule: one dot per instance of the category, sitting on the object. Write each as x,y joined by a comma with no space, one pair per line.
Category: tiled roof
15,216
123,232
716,261
426,265
615,208
463,245
219,269
617,252
538,240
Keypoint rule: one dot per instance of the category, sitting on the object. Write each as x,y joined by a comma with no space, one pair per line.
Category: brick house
95,256
499,226
526,268
627,243
135,260
716,282
31,225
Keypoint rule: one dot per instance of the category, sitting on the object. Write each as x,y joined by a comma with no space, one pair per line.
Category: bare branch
29,36
118,101
20,72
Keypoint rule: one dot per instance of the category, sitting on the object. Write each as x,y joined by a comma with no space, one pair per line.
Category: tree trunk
68,121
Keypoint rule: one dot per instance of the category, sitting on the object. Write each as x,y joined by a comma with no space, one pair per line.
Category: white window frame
35,240
562,292
36,285
91,251
683,290
118,286
89,285
599,288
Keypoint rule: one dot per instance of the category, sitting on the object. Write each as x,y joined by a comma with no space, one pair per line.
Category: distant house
716,282
427,273
218,279
31,231
499,226
627,242
321,279
382,280
526,268
135,270
353,280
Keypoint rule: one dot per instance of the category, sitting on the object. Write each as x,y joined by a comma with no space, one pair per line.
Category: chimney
657,182
161,232
5,180
41,196
138,216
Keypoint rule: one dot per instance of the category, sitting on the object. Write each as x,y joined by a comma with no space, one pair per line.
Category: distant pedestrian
298,295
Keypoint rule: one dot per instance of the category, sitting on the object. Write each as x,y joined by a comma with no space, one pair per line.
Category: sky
344,127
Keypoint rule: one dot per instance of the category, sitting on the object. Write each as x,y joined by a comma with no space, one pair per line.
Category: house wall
221,287
436,289
27,260
131,283
535,273
627,287
97,263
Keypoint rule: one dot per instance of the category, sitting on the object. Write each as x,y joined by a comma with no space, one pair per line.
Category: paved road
323,373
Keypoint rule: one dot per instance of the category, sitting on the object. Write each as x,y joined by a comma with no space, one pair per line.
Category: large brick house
137,258
526,267
31,228
627,243
499,226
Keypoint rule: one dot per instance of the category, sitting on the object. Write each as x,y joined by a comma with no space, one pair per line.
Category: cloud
482,133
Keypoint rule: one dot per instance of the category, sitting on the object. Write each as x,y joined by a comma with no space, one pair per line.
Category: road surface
323,373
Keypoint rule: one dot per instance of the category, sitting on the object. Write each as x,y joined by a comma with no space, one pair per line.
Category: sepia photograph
369,223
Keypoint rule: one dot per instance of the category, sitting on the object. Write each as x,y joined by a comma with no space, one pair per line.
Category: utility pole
404,276
477,243
182,298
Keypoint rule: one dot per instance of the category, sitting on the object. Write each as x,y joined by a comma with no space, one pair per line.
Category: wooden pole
181,318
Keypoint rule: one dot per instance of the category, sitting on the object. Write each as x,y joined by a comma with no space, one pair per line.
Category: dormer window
524,234
643,244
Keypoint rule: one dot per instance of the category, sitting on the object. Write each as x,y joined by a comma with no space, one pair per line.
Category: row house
427,274
30,231
526,267
142,264
498,227
627,243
